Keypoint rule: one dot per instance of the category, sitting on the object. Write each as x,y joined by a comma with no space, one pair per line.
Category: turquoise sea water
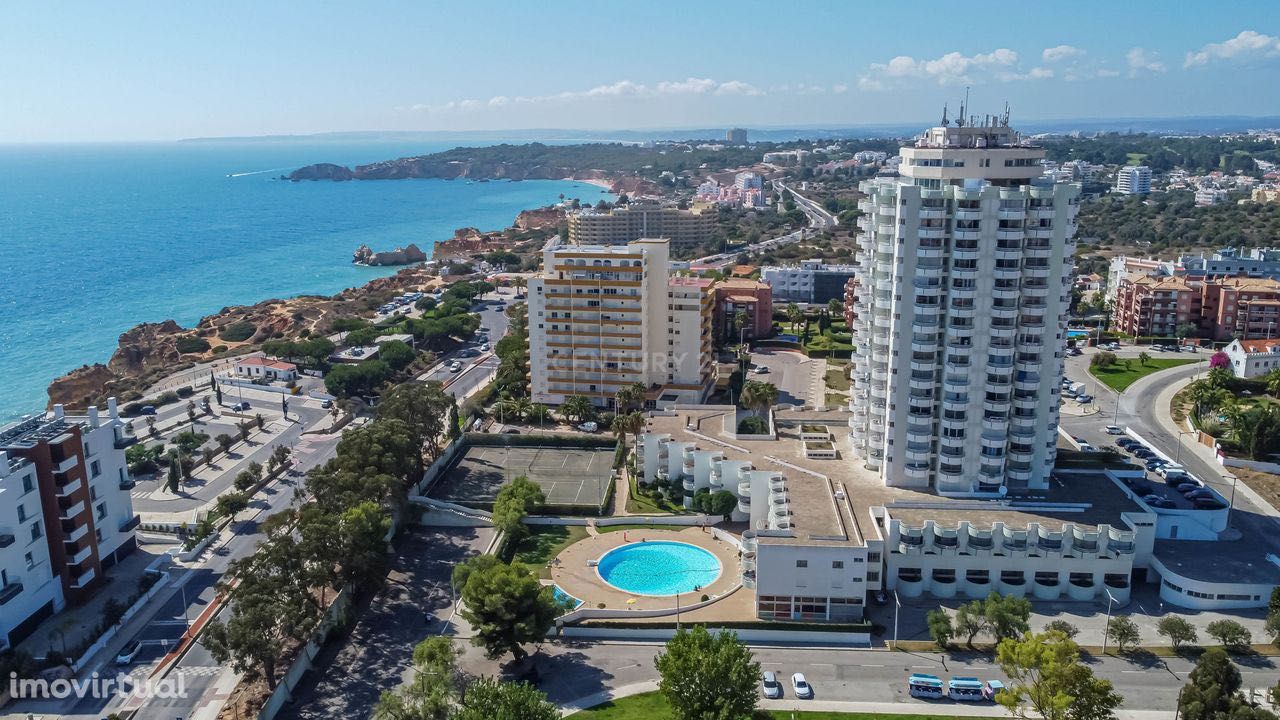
659,568
97,238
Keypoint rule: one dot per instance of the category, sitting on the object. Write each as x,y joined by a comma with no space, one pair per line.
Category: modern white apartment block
1133,180
810,281
66,514
960,315
605,316
621,225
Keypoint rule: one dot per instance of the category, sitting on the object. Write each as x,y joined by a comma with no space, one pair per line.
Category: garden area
1242,414
822,333
1118,374
542,545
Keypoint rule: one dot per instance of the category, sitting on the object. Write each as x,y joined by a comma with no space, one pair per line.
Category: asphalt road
790,372
493,319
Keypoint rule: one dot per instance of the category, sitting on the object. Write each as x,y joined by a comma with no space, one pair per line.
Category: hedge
547,440
238,331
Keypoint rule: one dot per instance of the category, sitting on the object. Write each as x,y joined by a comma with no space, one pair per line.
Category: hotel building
1134,180
961,307
605,316
619,226
65,513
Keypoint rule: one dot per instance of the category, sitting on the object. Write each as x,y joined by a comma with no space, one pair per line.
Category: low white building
264,368
1252,358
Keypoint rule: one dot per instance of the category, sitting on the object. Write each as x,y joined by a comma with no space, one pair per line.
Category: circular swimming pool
658,568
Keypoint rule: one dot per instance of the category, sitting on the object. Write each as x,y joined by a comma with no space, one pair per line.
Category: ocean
95,239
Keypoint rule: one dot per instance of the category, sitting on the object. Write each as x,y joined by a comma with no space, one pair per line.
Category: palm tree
577,408
1272,380
795,315
629,397
629,424
835,308
519,283
759,396
1144,358
740,322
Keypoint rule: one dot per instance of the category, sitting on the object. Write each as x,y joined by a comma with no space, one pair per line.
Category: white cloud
1108,73
839,88
1060,53
950,69
1248,45
1035,73
737,87
1142,60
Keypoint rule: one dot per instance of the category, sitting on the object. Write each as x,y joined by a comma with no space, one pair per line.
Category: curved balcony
744,489
910,584
744,505
690,484
1012,585
1046,588
976,585
1082,588
942,584
919,473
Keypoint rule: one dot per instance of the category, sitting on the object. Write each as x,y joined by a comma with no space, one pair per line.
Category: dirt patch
1265,484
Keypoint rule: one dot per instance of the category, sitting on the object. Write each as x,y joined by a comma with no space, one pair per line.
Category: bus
925,686
965,689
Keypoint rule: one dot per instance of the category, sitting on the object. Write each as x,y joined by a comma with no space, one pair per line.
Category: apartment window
95,469
873,557
837,564
873,576
97,532
27,484
802,563
36,532
22,513
31,560
102,511
93,493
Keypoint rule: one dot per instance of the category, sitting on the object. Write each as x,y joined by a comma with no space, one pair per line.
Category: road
819,217
574,670
493,323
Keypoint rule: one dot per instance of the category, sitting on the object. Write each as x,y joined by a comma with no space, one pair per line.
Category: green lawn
642,504
1121,375
544,543
652,706
837,379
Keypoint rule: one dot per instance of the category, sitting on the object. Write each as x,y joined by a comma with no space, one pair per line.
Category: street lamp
1106,630
897,610
1178,455
1231,504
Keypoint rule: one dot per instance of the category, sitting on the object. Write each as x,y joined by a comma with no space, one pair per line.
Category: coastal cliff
148,352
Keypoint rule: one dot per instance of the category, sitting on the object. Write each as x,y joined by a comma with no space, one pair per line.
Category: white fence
851,639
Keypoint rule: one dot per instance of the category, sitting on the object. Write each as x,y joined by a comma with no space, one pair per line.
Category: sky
126,71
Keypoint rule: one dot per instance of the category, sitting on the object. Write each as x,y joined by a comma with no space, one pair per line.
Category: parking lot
795,375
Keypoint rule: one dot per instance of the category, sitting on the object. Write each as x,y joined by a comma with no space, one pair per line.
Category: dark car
1127,443
1199,494
1186,487
1154,463
1141,488
148,410
1164,503
1152,498
1143,453
1208,504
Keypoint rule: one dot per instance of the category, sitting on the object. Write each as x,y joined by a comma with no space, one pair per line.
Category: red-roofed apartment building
258,367
734,295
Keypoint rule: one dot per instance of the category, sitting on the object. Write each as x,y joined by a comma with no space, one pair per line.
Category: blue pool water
659,568
566,598
1079,333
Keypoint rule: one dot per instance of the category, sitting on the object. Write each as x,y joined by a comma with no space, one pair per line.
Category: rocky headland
400,256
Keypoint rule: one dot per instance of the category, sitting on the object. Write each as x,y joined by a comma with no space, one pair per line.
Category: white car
770,686
1114,430
801,686
455,366
128,652
760,369
589,426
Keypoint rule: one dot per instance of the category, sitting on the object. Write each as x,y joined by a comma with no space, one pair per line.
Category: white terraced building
605,316
960,315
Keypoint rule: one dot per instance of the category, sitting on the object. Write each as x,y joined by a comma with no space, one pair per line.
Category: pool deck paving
575,573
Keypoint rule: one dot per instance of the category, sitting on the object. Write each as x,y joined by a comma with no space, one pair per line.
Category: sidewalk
981,710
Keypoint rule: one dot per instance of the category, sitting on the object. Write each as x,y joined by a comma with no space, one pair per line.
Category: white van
1165,471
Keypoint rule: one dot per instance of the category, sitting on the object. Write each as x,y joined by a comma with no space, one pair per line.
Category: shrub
753,426
189,344
217,349
186,391
237,331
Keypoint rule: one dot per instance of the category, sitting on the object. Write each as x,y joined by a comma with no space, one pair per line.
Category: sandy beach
606,184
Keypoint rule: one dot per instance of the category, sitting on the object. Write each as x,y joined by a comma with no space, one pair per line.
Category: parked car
769,685
484,347
1155,463
589,426
1203,493
1175,479
1084,399
1163,503
241,406
326,404
1114,430
1170,468
1186,487
129,652
990,688
1141,488
1086,447
1208,504
801,686
1127,442
1142,453
148,410
760,370
1152,498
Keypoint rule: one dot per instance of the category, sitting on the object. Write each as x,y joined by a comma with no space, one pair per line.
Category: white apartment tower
1133,180
605,316
961,309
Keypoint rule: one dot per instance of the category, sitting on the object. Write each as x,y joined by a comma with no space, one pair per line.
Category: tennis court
567,476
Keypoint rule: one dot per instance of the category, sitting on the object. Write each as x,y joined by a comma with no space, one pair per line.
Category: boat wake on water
255,172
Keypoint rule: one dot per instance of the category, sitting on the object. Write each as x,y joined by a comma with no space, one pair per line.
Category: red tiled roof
1257,346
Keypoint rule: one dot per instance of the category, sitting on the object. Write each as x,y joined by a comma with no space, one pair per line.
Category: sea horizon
102,237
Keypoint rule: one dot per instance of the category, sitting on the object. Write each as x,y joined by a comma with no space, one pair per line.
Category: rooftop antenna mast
944,115
964,108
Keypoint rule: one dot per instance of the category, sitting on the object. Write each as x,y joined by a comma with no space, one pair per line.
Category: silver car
770,686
